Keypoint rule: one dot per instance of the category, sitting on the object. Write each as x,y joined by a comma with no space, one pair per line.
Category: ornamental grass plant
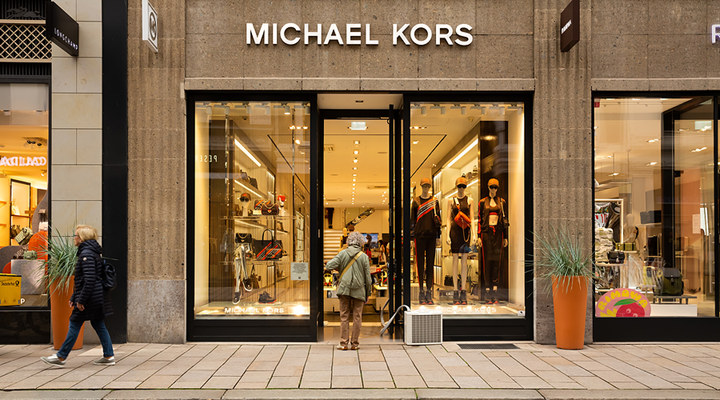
60,262
561,255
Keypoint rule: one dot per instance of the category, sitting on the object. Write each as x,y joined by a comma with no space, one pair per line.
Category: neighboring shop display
251,185
479,262
23,188
647,249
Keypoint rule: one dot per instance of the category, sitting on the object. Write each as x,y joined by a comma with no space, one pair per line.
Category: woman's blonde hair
86,232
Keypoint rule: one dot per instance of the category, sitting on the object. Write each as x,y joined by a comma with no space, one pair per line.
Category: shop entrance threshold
369,333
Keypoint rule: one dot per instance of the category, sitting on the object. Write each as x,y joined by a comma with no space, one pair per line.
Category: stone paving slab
165,394
55,394
630,394
352,394
468,394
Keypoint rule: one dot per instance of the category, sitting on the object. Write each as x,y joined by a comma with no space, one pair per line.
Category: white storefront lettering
419,34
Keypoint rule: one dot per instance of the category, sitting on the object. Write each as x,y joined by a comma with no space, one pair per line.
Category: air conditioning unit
423,327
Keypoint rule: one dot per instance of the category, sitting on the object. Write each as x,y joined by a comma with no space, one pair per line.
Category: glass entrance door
361,193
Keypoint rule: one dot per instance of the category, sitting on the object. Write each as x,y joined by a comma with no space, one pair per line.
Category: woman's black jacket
89,289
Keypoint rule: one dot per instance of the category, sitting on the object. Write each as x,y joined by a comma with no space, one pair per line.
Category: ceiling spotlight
287,110
653,140
227,110
307,109
423,110
354,174
353,184
354,168
442,110
650,164
614,174
355,152
502,110
357,142
354,179
297,141
418,127
355,161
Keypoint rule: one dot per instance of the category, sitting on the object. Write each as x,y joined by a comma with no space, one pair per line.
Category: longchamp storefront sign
356,35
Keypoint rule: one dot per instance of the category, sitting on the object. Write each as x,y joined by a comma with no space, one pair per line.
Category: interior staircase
331,243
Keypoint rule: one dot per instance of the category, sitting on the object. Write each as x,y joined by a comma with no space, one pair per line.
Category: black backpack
108,275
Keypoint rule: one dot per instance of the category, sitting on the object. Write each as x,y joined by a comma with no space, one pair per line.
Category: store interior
477,141
23,185
638,157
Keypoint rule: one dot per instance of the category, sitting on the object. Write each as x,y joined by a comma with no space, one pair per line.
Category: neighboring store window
251,209
654,207
468,158
23,189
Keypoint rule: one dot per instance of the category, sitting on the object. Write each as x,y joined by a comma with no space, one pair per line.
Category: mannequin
245,202
424,233
630,231
459,239
492,240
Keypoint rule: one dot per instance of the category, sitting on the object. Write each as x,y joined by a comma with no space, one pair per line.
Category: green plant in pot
562,258
61,258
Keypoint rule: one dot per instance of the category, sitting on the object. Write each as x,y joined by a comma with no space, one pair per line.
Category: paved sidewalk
233,370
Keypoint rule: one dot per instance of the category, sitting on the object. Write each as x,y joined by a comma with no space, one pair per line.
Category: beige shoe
354,347
341,347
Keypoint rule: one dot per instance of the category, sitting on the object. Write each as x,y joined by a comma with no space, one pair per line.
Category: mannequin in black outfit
492,240
459,239
423,231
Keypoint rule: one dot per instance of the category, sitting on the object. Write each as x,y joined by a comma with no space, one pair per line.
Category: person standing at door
354,288
424,231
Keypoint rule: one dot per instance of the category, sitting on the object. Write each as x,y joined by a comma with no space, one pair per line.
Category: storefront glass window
23,187
654,207
252,209
468,169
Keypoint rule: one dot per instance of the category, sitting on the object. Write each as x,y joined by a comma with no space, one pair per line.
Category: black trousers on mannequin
492,250
425,258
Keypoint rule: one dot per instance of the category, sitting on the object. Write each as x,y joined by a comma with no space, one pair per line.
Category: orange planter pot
570,311
60,316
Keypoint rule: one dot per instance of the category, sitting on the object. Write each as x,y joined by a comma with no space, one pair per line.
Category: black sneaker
429,297
265,298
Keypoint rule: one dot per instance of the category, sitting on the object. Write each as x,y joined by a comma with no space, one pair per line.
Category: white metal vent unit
423,327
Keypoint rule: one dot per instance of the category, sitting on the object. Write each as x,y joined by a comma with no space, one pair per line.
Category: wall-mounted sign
622,303
61,29
570,26
22,161
715,33
149,25
354,35
299,271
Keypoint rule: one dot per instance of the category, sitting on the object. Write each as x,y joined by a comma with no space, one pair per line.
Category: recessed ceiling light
357,142
358,126
297,141
614,174
416,141
355,161
354,168
650,164
418,127
355,152
353,179
699,149
653,140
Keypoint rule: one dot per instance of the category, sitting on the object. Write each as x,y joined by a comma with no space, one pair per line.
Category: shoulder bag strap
350,264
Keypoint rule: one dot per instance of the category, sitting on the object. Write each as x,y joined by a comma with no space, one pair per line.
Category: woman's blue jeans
74,331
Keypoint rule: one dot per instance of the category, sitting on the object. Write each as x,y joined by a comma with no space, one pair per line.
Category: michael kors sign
354,34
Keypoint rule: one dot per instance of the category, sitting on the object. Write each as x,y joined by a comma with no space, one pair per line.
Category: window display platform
227,308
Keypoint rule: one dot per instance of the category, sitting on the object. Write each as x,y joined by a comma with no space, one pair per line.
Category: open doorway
357,130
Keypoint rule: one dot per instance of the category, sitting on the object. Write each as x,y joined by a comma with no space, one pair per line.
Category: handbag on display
253,183
270,208
243,238
616,257
462,220
254,279
436,219
267,249
504,219
448,280
258,205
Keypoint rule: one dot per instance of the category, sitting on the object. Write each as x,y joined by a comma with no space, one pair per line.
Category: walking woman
354,287
91,301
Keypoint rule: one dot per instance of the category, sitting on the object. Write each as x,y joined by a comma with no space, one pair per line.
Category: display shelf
19,216
377,287
329,288
249,188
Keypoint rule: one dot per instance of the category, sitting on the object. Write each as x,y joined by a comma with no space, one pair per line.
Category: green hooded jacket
359,274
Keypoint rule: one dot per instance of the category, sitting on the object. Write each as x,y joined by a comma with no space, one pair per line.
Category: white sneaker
105,361
53,360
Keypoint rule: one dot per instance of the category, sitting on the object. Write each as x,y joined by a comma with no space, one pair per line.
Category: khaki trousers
347,305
